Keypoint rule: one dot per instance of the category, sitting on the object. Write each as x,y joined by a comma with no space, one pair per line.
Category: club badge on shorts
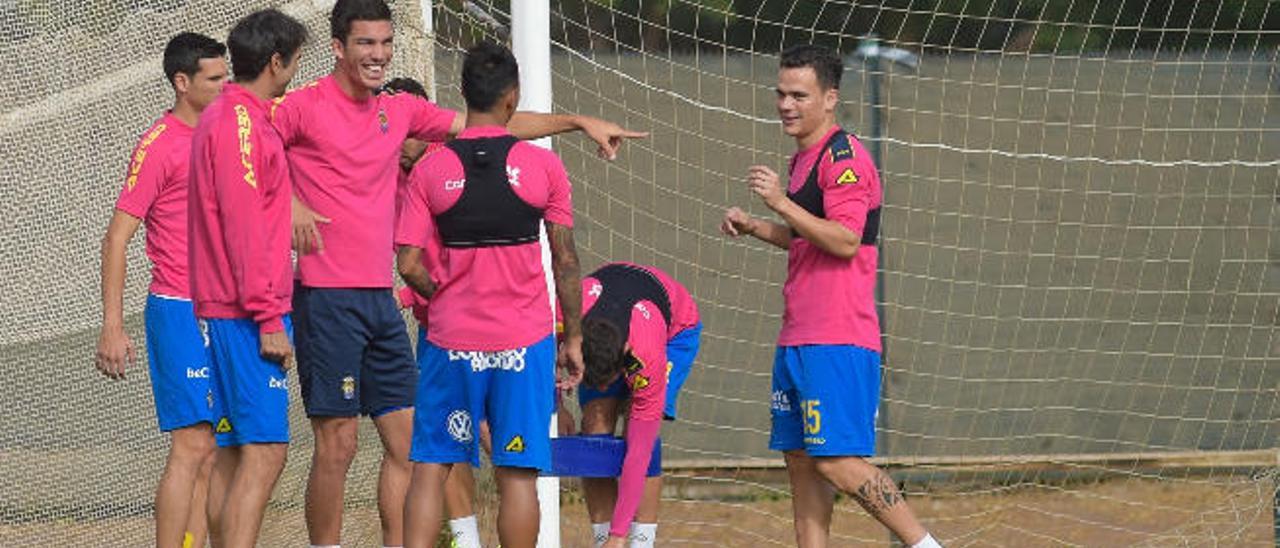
348,387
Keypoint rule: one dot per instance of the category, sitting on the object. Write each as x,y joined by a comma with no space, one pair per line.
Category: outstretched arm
534,125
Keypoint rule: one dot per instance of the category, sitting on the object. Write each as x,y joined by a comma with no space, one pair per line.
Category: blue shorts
681,350
825,399
354,356
178,355
514,390
250,393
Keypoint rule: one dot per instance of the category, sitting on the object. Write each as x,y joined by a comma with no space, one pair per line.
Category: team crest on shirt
348,387
848,177
382,120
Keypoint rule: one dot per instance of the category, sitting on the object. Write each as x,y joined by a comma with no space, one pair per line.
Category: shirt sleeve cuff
408,297
274,324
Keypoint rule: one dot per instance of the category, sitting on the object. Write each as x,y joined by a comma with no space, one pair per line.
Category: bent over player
241,277
490,352
826,373
640,333
155,192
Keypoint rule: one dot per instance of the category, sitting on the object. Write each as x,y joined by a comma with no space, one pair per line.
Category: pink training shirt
344,156
489,298
155,190
239,213
831,300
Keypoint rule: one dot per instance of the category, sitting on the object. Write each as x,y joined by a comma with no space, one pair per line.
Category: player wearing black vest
828,356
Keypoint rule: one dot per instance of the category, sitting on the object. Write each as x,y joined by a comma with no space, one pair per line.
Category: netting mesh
1079,256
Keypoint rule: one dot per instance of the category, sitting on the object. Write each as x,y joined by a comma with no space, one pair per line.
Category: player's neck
481,119
804,142
184,111
261,87
351,87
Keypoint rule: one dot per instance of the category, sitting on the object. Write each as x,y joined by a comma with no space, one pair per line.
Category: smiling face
365,54
804,107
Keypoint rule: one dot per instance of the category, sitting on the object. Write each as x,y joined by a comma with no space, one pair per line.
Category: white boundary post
531,43
429,49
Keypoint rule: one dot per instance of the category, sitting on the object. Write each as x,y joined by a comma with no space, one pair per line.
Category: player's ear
513,99
339,50
830,99
181,82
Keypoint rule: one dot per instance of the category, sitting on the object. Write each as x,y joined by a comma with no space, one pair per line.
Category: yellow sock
188,541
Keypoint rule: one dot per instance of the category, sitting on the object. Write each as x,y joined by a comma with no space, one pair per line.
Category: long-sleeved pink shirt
239,213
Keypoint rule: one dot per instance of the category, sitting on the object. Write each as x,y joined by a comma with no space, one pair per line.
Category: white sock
642,535
465,532
599,534
927,542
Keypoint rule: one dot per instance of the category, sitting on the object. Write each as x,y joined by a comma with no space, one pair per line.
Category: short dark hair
488,73
602,351
824,62
347,11
184,52
406,85
260,35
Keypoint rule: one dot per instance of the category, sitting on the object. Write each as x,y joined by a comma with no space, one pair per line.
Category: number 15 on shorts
812,418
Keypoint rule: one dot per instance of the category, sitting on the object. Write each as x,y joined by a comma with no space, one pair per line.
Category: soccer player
640,333
459,489
826,373
354,355
489,351
239,206
155,192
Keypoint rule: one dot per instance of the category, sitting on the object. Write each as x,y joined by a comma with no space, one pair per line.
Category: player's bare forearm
114,249
772,233
829,236
568,276
535,125
409,264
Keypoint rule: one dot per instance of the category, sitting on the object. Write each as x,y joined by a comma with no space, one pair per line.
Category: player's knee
191,446
336,444
336,453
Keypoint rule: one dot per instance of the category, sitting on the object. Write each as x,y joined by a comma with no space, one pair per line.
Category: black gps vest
809,196
489,213
622,287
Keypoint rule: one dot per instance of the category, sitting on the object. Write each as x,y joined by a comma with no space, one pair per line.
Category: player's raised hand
607,135
570,361
766,184
737,223
114,350
275,347
306,237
